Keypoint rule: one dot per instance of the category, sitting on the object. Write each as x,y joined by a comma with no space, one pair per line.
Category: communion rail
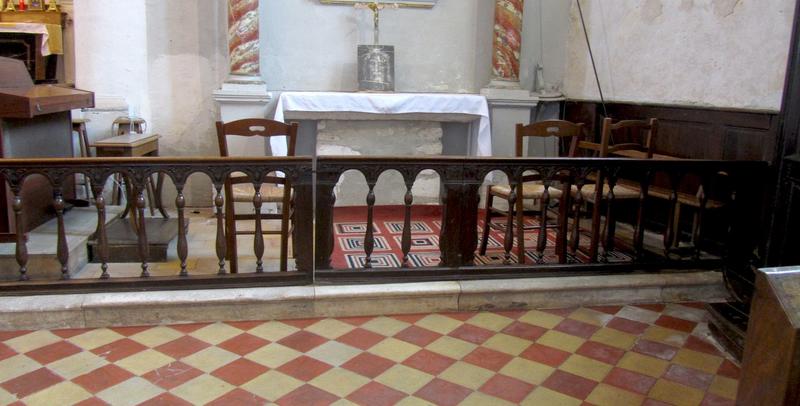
735,186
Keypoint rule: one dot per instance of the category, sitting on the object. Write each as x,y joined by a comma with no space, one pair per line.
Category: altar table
458,113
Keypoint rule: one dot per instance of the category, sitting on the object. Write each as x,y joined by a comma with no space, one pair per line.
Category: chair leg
486,221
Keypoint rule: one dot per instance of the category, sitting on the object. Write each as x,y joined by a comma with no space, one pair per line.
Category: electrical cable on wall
591,56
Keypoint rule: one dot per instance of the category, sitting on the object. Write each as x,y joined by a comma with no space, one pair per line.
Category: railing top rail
140,161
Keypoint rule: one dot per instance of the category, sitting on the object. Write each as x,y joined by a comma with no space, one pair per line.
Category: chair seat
529,191
244,192
620,192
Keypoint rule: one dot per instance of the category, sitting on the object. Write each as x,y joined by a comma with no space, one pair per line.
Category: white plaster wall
310,46
722,53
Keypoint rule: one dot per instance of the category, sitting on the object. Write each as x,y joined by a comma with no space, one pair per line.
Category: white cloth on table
386,103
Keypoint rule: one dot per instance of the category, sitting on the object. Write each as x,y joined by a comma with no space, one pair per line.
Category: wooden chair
637,144
274,189
561,130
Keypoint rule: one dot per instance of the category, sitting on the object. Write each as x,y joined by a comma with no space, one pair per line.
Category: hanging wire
591,56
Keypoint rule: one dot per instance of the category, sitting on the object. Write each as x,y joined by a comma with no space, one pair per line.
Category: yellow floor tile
451,347
542,396
586,367
665,335
209,359
334,353
64,393
590,316
156,336
15,366
404,379
508,344
701,361
676,394
32,341
527,371
438,323
481,399
6,398
340,382
394,349
466,375
145,361
541,319
614,338
330,328
644,364
724,387
490,321
95,338
273,330
77,365
216,333
607,395
273,355
385,326
202,389
272,385
130,392
561,341
413,401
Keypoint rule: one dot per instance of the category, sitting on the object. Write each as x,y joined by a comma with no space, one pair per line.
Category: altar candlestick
22,5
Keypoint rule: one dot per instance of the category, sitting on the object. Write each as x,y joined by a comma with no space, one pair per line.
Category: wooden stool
127,125
79,126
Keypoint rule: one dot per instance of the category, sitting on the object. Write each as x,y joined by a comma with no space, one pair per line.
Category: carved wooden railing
461,179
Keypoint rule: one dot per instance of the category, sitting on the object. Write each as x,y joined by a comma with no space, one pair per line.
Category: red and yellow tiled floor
629,355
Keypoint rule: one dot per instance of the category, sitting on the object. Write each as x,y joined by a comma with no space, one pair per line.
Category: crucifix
376,9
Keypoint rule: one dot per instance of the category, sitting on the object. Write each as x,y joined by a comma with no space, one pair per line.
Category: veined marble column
244,49
507,43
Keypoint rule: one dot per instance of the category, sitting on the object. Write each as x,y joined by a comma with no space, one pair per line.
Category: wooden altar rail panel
461,179
734,184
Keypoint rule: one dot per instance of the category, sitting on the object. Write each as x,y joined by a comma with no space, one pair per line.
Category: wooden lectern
35,122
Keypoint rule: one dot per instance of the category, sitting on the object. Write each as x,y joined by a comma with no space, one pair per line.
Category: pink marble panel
507,39
243,45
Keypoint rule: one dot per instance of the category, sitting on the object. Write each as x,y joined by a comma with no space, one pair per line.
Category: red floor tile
244,325
243,344
31,382
102,378
304,368
443,393
376,394
119,349
6,352
54,352
569,384
368,365
688,376
696,305
460,316
8,335
307,395
182,347
70,332
629,380
301,323
655,349
303,341
675,323
510,389
165,399
408,318
238,397
698,344
488,358
524,330
545,355
240,371
361,338
559,312
172,375
601,352
729,369
627,326
356,321
473,334
512,314
189,327
129,331
576,328
612,310
417,335
653,307
428,361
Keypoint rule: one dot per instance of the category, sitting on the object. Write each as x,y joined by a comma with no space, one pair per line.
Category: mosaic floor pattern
614,355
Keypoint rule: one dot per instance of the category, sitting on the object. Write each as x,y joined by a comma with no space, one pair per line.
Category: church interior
419,202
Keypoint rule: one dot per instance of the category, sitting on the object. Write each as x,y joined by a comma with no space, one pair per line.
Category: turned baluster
406,239
669,233
22,248
508,242
62,249
576,223
638,236
183,246
598,200
563,215
545,203
611,221
102,237
144,248
219,202
258,237
369,238
697,226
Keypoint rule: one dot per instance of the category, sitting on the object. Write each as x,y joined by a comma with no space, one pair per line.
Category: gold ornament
10,6
52,6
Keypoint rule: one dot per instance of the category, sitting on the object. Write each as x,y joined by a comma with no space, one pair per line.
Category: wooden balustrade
461,179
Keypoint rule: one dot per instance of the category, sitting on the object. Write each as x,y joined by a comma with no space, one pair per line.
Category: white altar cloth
387,104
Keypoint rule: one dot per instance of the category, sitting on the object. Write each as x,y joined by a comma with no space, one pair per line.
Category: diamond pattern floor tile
610,355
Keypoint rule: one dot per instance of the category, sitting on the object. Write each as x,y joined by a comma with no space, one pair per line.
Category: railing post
460,223
303,241
323,232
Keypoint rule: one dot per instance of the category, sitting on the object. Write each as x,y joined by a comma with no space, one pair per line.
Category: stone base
167,307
